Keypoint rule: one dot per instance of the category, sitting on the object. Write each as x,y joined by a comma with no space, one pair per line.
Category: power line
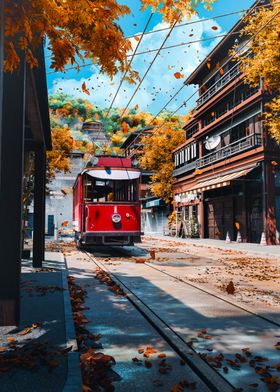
201,20
150,51
167,28
190,23
181,88
124,75
218,70
148,69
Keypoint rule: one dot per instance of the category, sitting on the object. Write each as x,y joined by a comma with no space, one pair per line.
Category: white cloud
160,83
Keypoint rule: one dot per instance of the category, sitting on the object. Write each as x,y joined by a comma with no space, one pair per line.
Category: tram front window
101,191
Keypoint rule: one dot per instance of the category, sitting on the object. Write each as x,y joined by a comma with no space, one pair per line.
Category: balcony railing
240,145
184,169
225,79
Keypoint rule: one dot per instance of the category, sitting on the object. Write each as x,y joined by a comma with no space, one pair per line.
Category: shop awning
154,203
218,182
114,174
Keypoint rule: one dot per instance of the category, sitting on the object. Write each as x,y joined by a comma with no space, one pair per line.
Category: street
182,294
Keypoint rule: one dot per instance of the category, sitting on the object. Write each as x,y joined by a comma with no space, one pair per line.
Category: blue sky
160,84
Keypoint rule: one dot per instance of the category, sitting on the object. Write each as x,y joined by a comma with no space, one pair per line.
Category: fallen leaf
25,331
148,364
139,261
230,288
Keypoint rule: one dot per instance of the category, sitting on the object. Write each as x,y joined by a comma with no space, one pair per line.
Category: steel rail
214,380
208,374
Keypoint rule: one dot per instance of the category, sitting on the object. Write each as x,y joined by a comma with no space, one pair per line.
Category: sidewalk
248,248
31,357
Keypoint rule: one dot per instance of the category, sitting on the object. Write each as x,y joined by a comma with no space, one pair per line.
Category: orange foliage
78,29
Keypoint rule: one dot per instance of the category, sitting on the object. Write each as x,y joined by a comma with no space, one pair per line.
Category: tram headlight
116,218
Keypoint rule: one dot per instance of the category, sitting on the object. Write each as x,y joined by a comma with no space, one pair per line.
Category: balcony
223,81
240,145
184,169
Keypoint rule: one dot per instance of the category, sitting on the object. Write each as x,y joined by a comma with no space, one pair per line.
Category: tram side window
100,191
125,190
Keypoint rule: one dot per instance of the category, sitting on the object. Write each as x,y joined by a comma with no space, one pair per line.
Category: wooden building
227,173
24,135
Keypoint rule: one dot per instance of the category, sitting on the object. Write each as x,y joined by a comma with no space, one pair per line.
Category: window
102,191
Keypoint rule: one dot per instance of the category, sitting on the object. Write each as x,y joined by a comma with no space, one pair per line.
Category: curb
215,381
74,378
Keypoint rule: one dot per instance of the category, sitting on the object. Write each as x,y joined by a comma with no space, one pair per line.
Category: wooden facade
227,172
24,128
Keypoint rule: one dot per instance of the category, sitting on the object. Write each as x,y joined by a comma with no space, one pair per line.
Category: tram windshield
97,190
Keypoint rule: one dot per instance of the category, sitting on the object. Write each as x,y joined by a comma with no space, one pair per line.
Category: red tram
106,206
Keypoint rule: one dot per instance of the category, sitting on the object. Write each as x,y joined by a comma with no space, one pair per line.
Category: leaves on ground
230,288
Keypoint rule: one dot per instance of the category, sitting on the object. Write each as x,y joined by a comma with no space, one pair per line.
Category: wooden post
270,227
201,216
39,206
12,122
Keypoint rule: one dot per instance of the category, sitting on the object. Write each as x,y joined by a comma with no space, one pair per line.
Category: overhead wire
148,69
182,87
168,28
195,92
132,57
149,51
189,23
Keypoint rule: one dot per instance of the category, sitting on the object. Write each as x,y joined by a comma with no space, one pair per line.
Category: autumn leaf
214,27
178,75
124,127
11,339
84,89
237,225
230,288
162,355
136,107
25,331
140,261
97,116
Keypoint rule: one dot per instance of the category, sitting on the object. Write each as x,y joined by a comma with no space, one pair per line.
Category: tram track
208,292
214,380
